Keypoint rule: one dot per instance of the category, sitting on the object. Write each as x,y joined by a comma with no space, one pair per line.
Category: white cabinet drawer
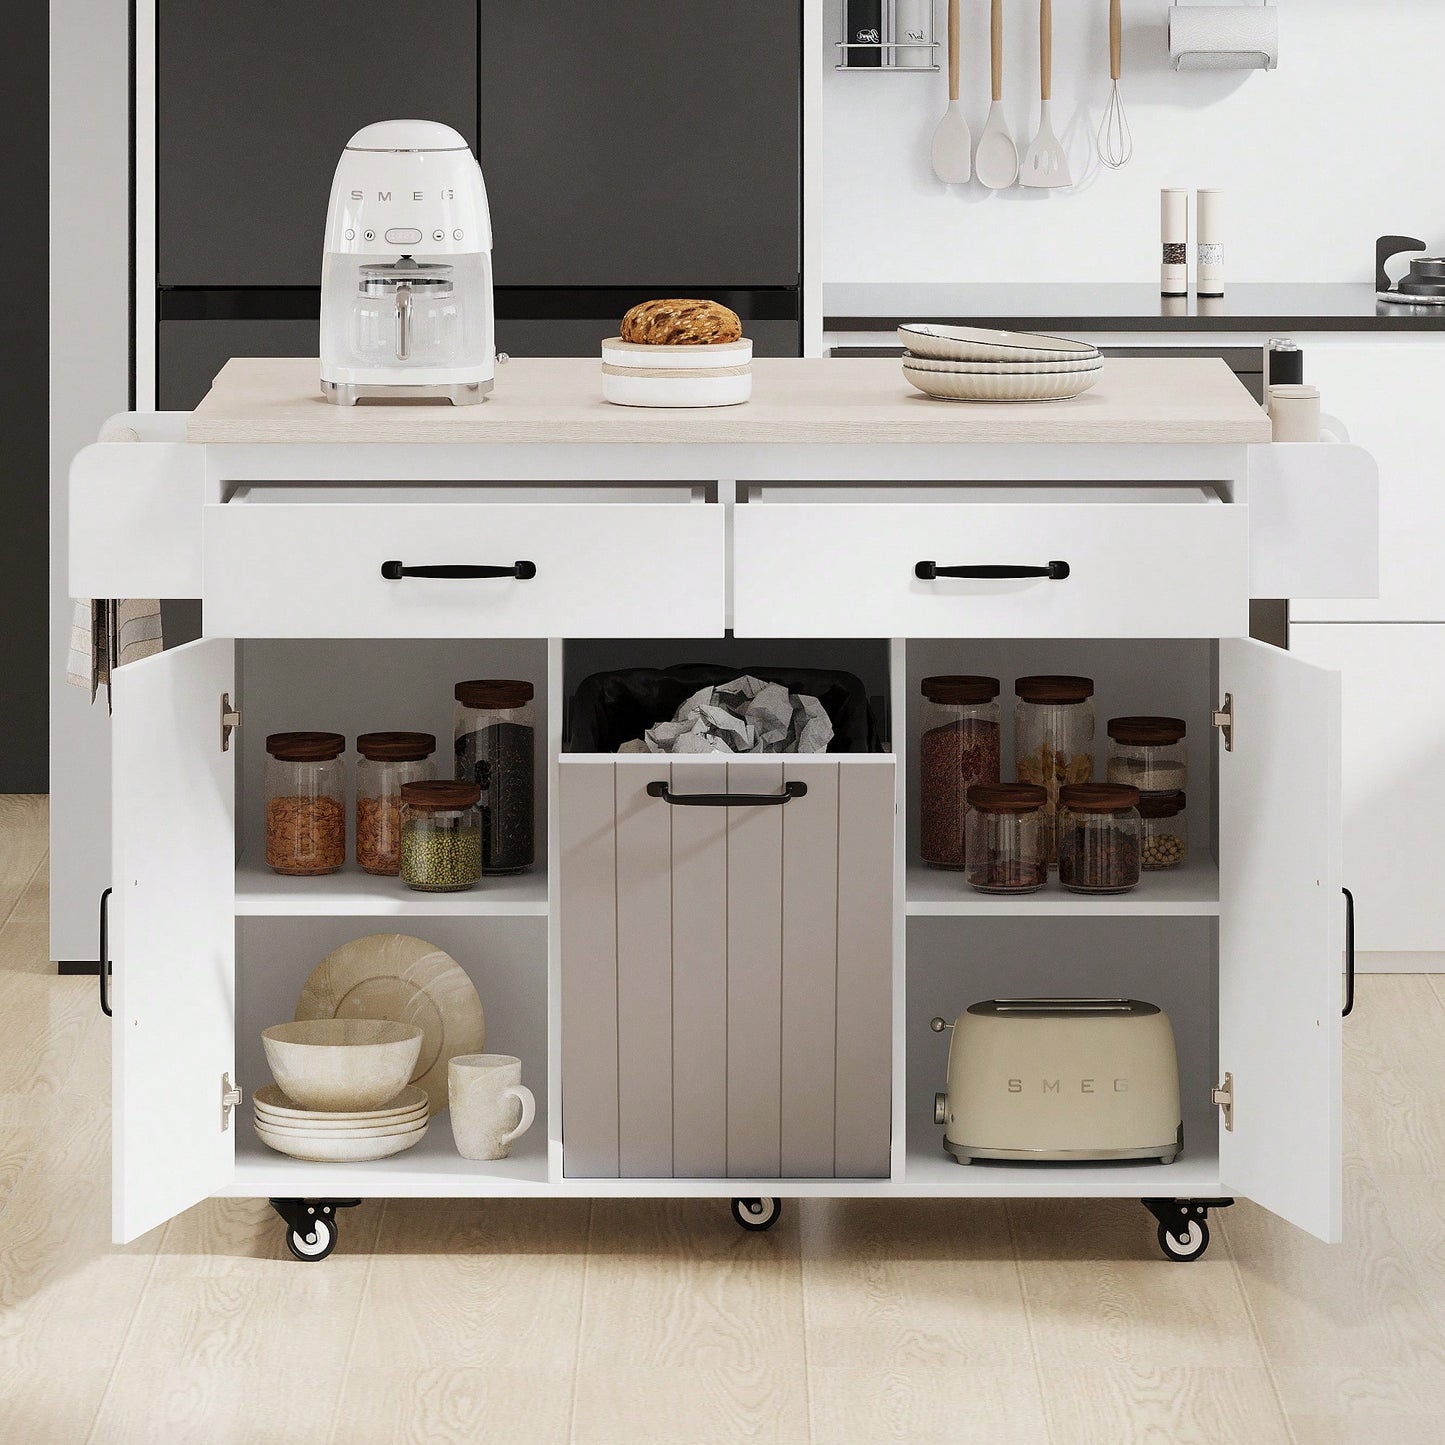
1134,569
594,569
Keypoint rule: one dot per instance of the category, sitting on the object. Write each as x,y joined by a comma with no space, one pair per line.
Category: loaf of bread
681,323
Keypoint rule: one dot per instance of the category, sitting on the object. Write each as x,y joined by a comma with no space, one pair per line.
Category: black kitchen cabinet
255,102
192,352
651,144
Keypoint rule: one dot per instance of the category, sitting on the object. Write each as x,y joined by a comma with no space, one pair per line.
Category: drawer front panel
1149,569
601,569
726,971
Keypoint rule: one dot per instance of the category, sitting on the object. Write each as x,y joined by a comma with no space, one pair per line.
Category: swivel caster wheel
757,1214
311,1227
1186,1246
316,1244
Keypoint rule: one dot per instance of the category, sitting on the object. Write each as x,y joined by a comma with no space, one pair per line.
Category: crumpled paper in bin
746,715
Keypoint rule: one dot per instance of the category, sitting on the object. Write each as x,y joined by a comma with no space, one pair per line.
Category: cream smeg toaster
1061,1079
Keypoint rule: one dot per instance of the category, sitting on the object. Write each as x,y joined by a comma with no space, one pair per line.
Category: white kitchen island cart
730,1000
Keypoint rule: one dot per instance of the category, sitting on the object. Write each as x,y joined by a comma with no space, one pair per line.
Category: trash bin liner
612,708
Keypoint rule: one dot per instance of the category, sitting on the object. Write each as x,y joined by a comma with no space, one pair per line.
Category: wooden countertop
1189,401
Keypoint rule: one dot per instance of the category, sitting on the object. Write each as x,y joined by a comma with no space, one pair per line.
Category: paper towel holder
1232,36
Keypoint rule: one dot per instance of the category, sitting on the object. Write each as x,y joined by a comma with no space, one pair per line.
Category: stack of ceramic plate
970,363
341,1138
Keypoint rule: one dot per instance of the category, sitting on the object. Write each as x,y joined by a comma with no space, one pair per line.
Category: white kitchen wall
1344,142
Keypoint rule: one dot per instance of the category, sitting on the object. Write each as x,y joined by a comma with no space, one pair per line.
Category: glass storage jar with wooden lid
441,836
958,748
387,761
305,787
1163,830
495,739
1098,838
1005,831
1148,753
1054,734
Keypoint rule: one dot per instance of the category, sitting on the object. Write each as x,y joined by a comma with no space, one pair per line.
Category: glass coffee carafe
406,311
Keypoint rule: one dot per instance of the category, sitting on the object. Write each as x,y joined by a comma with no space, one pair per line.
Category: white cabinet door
867,569
1280,935
173,933
1387,393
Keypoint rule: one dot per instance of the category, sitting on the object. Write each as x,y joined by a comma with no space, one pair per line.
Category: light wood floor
537,1322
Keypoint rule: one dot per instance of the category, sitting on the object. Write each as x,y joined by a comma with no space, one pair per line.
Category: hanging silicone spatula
1045,163
952,143
997,161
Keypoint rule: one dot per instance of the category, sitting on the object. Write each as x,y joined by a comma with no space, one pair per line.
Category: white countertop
1193,401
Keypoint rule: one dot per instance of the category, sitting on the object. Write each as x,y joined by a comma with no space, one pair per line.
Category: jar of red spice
387,761
958,749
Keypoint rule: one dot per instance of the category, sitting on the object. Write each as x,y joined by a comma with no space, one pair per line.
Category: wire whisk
1116,140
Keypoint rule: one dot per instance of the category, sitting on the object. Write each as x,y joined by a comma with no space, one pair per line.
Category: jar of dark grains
1164,830
1148,753
1005,845
387,761
958,749
1054,735
305,786
1098,838
495,727
441,836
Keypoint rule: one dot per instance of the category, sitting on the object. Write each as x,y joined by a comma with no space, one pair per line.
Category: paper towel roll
1224,37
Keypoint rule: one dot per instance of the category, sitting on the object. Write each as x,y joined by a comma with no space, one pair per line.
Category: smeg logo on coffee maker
446,193
1056,1086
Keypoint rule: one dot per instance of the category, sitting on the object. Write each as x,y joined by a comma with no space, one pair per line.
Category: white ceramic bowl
345,1065
955,386
977,343
1002,368
339,1131
339,1151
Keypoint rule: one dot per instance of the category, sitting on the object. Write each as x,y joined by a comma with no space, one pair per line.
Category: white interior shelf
262,893
1196,1173
1190,891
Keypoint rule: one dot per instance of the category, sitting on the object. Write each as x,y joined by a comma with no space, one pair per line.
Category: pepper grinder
1174,236
1209,235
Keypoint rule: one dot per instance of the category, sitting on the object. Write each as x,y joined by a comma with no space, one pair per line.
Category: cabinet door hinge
1224,721
1222,1097
230,721
230,1099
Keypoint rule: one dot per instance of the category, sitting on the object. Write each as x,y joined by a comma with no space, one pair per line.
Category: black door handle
522,571
927,571
1349,1007
104,956
728,800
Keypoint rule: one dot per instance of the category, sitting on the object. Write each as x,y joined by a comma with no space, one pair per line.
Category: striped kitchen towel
106,634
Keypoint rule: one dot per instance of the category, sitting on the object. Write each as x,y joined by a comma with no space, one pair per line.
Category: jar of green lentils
441,836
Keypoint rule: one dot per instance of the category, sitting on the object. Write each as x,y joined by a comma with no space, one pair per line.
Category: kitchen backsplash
1317,158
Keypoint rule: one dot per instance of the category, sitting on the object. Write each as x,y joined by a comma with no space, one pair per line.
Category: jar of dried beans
1098,838
1054,735
305,789
1148,753
1164,830
957,750
1005,845
387,761
441,836
495,732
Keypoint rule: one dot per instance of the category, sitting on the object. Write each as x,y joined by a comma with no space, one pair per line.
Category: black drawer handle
728,800
104,958
928,571
522,571
1349,1007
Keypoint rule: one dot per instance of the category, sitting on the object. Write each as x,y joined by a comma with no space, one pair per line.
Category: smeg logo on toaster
1056,1086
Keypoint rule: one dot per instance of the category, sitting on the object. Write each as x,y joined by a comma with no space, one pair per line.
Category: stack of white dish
970,363
346,1095
340,1136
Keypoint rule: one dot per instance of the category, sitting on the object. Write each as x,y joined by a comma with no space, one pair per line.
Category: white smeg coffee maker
406,283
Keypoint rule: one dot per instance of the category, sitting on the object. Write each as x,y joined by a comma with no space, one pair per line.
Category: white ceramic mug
484,1091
